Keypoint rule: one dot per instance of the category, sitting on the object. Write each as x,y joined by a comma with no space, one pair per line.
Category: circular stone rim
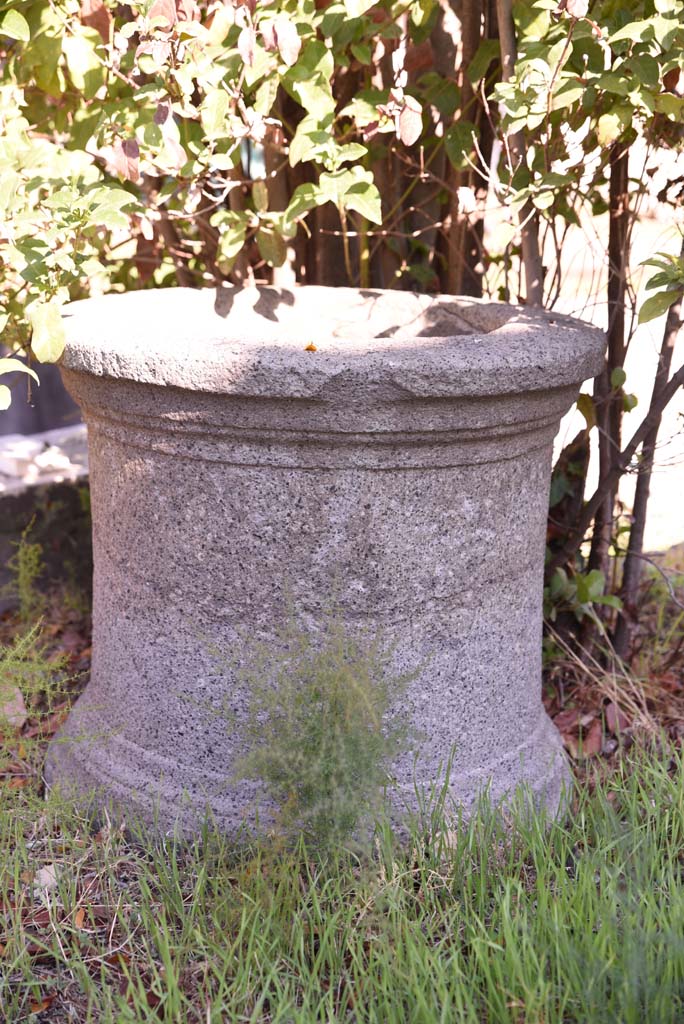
175,338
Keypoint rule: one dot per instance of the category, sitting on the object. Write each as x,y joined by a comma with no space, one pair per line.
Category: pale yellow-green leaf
585,405
10,365
608,129
656,305
85,67
15,26
48,337
260,195
221,23
214,114
355,8
271,246
503,235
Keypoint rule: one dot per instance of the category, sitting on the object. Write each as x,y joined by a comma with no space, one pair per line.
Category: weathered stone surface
402,467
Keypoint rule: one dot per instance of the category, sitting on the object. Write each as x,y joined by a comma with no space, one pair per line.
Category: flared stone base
136,786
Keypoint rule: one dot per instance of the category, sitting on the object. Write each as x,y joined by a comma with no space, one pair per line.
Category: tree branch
620,464
631,574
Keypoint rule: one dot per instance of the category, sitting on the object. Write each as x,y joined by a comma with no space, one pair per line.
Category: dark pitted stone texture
403,467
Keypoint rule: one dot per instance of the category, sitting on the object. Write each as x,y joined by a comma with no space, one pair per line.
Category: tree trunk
529,220
462,251
608,403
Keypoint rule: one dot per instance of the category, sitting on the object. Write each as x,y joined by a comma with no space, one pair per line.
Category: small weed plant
320,734
34,685
26,566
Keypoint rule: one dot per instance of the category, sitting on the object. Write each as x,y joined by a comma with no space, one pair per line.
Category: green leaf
350,152
618,377
591,586
364,108
656,305
5,397
560,486
364,198
304,198
214,114
265,96
633,30
10,365
543,200
487,51
45,54
15,26
613,82
440,92
458,143
664,279
670,105
48,336
665,29
315,59
570,92
310,139
354,189
231,242
85,67
612,600
315,96
109,216
260,195
645,69
421,11
271,246
362,52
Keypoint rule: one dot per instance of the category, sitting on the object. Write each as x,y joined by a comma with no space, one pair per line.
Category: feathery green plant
320,733
26,565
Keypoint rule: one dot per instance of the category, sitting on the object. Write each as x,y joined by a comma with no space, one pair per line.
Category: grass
521,921
580,922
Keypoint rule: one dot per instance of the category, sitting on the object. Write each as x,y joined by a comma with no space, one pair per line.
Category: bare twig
666,579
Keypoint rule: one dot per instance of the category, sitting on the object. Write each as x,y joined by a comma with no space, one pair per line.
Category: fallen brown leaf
616,720
592,742
567,720
45,1003
18,782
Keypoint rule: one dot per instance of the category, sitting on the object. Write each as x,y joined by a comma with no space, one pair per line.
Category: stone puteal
255,450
